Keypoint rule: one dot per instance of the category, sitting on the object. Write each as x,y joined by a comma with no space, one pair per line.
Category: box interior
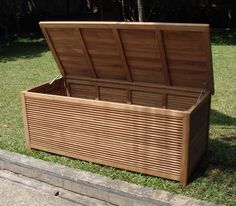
159,97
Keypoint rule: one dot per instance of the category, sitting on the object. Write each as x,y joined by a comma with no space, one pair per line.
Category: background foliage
22,16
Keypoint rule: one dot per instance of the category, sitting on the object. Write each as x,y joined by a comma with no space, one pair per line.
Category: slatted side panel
132,140
113,94
154,99
57,88
83,91
198,138
147,99
180,102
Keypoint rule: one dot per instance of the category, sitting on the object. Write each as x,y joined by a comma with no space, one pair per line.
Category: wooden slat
165,67
53,50
150,110
104,134
173,129
86,53
152,99
122,54
118,137
105,162
83,91
113,94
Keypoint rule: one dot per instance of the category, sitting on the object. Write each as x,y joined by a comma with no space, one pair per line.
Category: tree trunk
101,10
123,10
67,8
140,10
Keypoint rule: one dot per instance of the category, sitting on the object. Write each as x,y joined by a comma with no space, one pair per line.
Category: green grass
27,62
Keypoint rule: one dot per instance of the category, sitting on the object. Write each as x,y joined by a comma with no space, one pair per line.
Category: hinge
203,91
55,78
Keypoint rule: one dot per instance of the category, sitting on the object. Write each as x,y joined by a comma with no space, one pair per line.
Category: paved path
14,194
17,190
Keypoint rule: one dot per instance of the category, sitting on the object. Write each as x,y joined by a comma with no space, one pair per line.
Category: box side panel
139,141
56,88
198,134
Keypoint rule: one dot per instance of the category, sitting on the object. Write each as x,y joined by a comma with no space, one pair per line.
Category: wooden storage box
134,96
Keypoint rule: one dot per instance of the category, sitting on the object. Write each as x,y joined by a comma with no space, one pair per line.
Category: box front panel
133,140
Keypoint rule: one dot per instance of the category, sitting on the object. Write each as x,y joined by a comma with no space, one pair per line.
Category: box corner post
184,177
25,120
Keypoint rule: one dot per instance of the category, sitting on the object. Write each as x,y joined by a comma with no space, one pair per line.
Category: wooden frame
149,120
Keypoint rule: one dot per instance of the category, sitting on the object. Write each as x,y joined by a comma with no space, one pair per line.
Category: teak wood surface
134,96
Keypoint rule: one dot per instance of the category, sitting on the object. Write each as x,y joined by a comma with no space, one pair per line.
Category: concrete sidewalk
15,194
89,185
17,190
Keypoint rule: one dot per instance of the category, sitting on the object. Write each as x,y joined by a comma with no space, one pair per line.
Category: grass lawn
27,62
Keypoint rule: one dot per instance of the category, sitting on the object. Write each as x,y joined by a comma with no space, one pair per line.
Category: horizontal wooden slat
108,162
183,91
114,136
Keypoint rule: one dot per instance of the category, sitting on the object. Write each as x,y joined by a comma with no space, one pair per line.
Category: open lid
161,53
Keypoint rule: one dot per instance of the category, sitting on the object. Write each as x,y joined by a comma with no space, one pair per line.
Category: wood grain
122,54
164,60
86,54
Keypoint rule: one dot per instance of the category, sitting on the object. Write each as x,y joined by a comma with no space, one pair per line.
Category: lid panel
143,57
182,48
169,54
69,51
104,54
138,37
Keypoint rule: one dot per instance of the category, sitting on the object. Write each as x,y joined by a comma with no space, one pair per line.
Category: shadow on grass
26,47
219,118
220,160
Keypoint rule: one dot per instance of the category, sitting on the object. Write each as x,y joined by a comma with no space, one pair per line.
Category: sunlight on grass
28,63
